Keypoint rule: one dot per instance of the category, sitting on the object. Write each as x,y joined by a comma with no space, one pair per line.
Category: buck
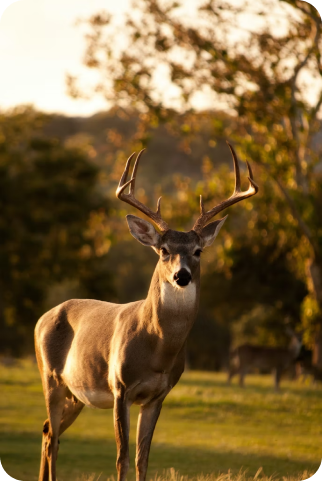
107,355
276,359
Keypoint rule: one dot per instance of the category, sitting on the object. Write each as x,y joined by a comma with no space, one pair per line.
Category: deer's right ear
143,231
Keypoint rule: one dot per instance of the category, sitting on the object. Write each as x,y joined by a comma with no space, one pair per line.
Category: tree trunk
317,350
315,286
315,272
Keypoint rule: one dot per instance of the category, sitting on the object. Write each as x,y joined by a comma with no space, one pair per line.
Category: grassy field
205,427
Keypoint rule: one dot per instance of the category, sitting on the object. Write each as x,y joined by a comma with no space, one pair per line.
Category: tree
258,62
48,231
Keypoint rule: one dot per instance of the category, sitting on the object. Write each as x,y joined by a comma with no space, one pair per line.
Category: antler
237,196
130,199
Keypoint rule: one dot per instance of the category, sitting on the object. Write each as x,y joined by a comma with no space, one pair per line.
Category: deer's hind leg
72,408
55,396
44,471
232,371
242,374
277,378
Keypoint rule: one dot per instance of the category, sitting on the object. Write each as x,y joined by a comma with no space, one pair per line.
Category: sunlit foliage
261,64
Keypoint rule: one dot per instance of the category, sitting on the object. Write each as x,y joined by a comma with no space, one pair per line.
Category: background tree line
262,64
64,234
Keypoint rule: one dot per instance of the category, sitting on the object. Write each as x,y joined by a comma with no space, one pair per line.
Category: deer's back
262,357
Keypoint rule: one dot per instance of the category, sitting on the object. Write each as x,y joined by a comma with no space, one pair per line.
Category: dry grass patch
173,475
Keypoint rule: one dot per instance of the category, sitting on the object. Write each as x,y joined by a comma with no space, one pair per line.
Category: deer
276,359
304,366
104,355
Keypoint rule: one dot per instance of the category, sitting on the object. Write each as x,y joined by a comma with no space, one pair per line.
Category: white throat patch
177,298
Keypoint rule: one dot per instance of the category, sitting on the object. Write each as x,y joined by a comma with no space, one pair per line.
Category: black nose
182,277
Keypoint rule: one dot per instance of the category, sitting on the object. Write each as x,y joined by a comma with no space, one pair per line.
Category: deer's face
180,257
179,252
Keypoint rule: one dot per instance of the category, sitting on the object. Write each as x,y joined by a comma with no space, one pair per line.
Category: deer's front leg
122,428
148,417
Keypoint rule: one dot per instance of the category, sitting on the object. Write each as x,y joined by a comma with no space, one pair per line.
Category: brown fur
111,356
134,352
277,359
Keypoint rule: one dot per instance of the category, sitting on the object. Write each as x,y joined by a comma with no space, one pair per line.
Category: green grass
173,475
205,427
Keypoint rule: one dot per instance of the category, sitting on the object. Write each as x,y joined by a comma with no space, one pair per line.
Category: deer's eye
197,253
164,251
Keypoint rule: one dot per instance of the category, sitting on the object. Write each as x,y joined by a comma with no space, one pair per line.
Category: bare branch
301,223
316,32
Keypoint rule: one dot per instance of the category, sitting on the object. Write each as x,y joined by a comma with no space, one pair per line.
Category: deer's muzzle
182,277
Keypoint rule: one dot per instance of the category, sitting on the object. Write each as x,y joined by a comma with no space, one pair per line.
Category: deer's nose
182,277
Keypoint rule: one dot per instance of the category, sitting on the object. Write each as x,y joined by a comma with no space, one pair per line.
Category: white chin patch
178,297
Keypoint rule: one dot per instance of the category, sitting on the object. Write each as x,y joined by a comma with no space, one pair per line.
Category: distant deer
110,355
277,359
305,366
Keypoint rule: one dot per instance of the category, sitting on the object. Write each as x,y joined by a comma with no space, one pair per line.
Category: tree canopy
261,65
48,198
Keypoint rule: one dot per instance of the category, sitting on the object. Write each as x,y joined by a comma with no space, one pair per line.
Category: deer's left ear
210,232
143,231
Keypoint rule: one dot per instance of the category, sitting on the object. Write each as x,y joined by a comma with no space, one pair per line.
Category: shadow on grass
20,456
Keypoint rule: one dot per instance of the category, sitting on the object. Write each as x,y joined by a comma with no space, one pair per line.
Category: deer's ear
143,231
210,232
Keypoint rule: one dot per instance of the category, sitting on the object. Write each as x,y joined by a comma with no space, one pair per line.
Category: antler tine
130,198
251,179
135,168
237,196
123,184
159,206
236,167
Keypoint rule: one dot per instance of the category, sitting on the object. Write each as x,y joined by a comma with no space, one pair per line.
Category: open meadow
205,427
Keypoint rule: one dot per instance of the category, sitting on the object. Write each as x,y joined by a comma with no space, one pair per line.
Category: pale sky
39,44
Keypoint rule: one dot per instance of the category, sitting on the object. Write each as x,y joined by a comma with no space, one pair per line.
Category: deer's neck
171,311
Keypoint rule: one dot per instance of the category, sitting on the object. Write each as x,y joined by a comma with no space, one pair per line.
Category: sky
39,44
